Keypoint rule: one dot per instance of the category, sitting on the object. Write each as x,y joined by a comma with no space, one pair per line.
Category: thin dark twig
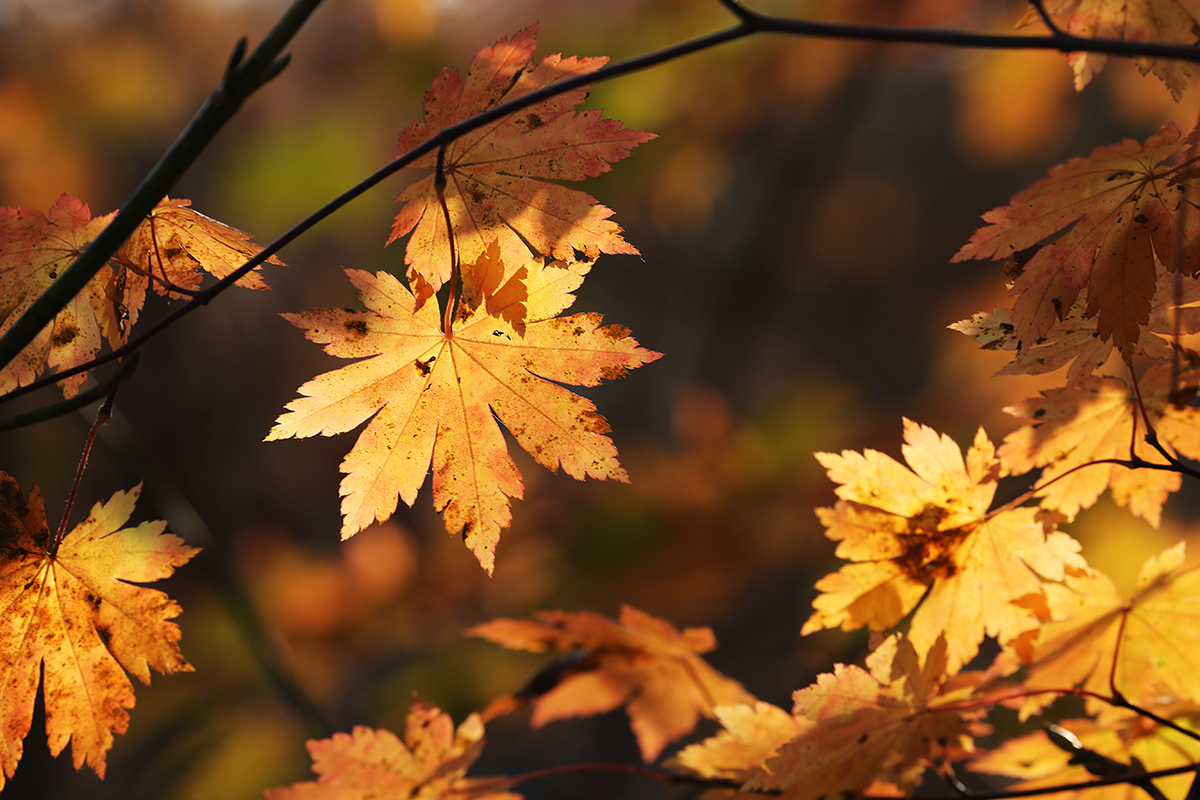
241,80
1119,699
1047,20
123,373
102,416
752,23
737,9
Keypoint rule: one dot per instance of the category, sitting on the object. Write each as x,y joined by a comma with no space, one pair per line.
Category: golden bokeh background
796,218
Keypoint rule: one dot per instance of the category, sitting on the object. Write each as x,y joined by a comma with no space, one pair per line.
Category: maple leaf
1164,21
436,395
34,249
1144,644
1113,213
497,177
1121,739
371,763
175,243
640,662
78,615
1068,429
878,725
926,532
750,735
1073,339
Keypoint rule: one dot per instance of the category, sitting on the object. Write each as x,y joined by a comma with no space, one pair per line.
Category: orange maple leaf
1073,340
1145,644
427,765
1068,429
1165,21
750,735
497,177
438,393
640,662
879,725
1113,213
78,615
926,532
34,249
175,243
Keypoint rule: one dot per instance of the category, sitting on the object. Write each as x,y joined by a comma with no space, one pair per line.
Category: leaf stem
102,416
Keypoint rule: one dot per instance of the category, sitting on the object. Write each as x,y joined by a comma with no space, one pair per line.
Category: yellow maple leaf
500,178
373,763
640,662
176,242
1122,736
1066,430
434,396
78,615
750,735
926,532
879,725
1145,644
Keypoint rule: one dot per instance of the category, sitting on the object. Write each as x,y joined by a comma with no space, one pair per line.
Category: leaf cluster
976,606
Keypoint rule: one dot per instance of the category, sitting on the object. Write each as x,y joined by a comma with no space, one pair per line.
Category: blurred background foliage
796,218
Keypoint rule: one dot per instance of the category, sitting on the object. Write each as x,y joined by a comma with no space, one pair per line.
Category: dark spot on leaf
425,366
862,738
356,327
64,336
616,332
612,373
594,422
1041,412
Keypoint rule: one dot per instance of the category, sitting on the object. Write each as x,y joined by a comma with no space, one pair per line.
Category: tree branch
244,82
241,80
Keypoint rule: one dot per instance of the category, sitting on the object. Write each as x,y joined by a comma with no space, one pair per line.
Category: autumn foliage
978,597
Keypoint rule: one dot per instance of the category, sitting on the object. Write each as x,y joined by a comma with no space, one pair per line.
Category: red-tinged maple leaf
1147,644
1067,429
34,249
1163,21
878,725
77,620
436,395
1113,213
175,243
373,763
750,735
498,177
640,662
1073,339
923,534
